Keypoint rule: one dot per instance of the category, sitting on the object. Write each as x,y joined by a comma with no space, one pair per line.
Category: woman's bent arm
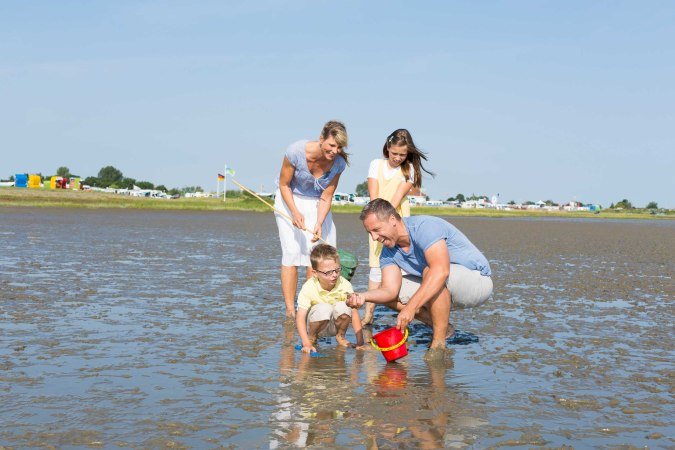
324,205
285,177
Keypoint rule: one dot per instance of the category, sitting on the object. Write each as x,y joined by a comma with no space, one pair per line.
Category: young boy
322,310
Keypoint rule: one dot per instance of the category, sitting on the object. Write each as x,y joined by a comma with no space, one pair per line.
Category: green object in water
348,263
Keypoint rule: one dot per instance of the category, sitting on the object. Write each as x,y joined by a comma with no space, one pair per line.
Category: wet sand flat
164,328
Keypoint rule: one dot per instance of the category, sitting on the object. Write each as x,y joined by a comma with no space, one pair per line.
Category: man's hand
406,316
355,300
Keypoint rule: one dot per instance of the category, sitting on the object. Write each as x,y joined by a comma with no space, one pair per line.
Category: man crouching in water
441,267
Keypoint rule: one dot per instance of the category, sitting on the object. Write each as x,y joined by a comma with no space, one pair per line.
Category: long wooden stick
281,213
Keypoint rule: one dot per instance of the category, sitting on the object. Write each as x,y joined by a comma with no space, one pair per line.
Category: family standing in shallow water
419,266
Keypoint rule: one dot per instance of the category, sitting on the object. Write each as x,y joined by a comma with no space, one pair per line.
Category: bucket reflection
392,379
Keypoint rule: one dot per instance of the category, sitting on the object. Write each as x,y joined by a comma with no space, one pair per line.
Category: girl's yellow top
386,191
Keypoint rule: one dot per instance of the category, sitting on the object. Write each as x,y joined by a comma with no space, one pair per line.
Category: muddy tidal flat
155,329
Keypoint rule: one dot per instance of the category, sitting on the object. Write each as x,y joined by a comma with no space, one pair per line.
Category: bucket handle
393,347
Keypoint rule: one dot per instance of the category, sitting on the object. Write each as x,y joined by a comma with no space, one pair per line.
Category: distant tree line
626,204
110,177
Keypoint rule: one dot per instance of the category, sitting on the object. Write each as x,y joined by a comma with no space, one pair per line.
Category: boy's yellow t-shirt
312,293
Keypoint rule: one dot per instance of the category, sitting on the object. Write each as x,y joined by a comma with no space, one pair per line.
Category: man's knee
471,291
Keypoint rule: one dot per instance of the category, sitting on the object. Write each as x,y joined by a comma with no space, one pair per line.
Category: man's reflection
419,418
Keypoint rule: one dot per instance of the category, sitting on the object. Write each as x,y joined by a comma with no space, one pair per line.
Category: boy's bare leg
341,325
314,329
289,285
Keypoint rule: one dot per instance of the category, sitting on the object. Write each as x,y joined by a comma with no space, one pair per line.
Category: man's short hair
381,208
322,252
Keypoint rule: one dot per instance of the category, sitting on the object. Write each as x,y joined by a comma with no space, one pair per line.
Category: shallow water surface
164,329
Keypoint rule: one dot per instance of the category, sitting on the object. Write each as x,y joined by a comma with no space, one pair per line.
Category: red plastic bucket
391,342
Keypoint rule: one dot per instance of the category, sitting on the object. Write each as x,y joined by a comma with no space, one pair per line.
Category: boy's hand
308,348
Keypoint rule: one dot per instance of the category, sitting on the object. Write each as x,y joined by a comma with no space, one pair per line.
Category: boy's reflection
314,393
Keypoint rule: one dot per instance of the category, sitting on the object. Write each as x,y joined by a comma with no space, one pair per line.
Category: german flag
221,177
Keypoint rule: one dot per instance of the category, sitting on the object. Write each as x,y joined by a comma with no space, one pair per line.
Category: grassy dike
19,197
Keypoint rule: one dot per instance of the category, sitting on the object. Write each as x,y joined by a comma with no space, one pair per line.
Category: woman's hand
316,233
299,220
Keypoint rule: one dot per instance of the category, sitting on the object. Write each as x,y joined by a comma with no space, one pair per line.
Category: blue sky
533,100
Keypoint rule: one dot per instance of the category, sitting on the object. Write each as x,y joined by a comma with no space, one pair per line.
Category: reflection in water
315,393
330,401
427,430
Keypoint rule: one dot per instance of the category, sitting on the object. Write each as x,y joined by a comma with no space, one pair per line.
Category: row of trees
110,177
626,204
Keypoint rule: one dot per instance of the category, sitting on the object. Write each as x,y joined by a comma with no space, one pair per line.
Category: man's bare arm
387,292
434,276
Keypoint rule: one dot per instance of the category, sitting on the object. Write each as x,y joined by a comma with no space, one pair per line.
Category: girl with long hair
392,178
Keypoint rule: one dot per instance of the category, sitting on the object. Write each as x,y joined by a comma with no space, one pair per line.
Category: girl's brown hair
402,137
339,132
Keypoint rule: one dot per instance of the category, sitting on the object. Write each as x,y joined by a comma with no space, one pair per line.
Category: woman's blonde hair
337,131
402,137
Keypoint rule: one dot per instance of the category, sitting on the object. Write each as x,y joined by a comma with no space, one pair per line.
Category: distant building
341,198
361,201
416,200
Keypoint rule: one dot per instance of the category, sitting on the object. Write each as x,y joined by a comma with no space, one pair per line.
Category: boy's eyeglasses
329,273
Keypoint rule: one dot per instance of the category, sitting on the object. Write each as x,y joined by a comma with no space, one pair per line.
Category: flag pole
225,183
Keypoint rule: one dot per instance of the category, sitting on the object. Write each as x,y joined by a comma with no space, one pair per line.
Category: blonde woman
309,175
391,178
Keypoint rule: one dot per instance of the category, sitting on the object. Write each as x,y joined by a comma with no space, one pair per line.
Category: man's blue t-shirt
424,231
